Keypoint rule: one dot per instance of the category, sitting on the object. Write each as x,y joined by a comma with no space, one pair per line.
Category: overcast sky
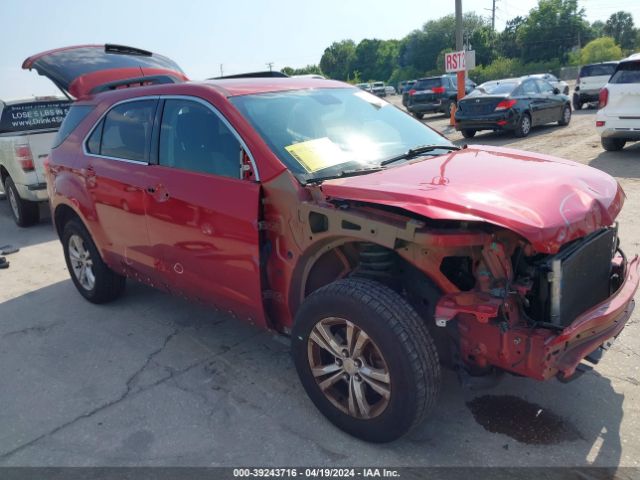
242,35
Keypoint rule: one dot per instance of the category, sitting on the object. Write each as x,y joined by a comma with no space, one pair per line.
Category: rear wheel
25,213
92,277
613,144
566,116
366,359
419,116
524,126
468,133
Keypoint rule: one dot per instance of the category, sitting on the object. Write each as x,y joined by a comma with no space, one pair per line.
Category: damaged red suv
320,211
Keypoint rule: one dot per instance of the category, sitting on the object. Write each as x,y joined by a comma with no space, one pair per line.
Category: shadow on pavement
153,380
625,163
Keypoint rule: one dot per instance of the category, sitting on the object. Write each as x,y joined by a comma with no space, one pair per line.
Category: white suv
27,131
590,80
618,120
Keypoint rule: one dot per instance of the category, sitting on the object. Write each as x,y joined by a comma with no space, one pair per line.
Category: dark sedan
515,104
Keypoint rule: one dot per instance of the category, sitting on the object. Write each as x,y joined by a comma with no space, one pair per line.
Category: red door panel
203,230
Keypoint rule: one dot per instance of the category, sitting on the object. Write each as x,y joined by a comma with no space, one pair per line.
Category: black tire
565,116
468,132
108,285
577,105
524,126
25,213
419,116
613,144
401,337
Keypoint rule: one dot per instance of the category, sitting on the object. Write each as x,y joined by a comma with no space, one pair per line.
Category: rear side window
544,87
194,138
628,72
76,114
29,116
597,70
126,132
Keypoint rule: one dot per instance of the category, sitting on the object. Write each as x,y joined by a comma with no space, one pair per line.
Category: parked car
554,81
405,91
590,80
364,86
27,130
390,90
618,119
379,89
432,94
325,213
513,104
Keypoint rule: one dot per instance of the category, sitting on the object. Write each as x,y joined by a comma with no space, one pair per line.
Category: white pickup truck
27,132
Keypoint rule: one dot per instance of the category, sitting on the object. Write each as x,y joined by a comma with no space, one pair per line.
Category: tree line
555,33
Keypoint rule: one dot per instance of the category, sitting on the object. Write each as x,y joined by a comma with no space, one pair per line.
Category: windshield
427,83
319,133
495,88
38,115
605,69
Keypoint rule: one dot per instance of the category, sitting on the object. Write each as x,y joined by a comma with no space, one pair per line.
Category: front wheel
613,144
418,115
25,213
566,116
524,126
366,359
92,277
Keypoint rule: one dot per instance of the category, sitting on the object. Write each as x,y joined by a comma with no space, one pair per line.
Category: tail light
600,123
505,105
24,157
412,92
603,98
438,90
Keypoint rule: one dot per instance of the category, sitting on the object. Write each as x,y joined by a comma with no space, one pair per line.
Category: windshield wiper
344,173
417,151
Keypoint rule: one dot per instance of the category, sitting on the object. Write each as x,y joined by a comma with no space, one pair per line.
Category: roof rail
124,50
136,82
266,74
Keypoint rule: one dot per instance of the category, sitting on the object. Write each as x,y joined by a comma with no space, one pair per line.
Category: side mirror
556,91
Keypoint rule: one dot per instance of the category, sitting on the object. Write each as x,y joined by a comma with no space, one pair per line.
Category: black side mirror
556,91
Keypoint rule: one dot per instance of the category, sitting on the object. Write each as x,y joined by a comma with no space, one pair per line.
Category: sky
240,35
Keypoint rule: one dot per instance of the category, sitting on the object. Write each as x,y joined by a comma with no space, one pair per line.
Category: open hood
547,200
79,70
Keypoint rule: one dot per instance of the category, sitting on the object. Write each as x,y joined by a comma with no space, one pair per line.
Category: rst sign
460,61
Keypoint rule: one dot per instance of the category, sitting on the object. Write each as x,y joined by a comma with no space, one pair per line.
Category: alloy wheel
13,201
526,124
81,262
349,368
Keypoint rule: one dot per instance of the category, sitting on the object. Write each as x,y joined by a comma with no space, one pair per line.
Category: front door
202,216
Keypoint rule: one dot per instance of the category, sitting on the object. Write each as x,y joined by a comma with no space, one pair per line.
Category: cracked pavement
153,380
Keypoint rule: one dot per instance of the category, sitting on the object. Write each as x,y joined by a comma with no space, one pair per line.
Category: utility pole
270,65
460,46
493,16
221,72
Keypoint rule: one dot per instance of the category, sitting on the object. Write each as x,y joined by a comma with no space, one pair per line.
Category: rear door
594,77
80,70
116,173
531,93
202,216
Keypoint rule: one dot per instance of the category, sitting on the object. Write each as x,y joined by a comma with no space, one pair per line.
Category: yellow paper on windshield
317,154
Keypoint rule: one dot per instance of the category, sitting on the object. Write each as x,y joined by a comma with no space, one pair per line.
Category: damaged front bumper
492,333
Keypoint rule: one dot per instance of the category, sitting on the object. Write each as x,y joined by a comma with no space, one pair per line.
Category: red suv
325,213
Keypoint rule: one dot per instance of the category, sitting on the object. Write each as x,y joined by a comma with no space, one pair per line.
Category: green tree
597,28
302,71
507,41
620,27
551,30
600,50
337,60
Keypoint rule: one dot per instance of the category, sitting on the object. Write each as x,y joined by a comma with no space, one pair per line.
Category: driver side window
194,138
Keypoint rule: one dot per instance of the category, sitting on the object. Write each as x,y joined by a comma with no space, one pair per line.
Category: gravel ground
152,380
